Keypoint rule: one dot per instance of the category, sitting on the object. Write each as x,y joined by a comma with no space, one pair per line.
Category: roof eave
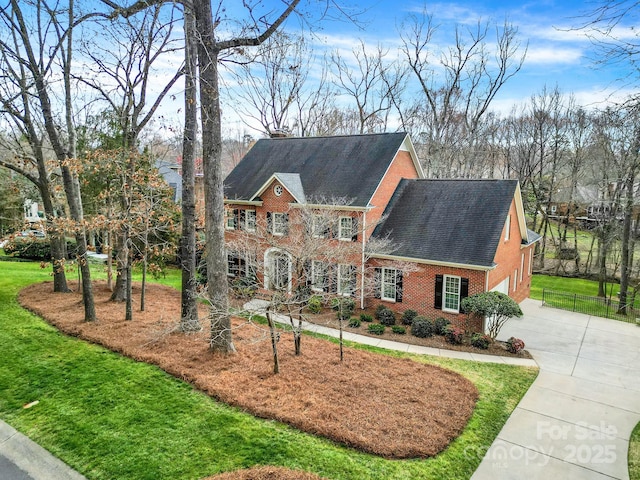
438,263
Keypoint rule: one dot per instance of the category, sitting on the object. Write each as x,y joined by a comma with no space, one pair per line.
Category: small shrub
376,328
379,309
408,316
515,345
344,307
387,317
454,335
479,340
315,304
399,329
440,325
365,317
354,322
421,327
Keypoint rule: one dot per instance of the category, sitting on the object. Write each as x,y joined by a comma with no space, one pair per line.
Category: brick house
450,238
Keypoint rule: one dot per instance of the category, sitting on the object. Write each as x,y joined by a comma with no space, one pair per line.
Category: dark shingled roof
348,167
453,221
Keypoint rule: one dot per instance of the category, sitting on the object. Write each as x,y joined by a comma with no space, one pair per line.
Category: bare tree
373,83
30,61
457,87
122,69
189,298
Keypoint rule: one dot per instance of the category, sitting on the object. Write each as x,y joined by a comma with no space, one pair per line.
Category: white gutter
362,272
434,262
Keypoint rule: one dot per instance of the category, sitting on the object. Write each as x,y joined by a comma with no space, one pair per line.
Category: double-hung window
345,228
319,227
346,279
319,276
250,220
451,294
278,223
388,284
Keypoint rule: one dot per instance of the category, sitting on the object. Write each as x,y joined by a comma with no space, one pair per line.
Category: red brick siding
401,167
419,288
272,203
508,259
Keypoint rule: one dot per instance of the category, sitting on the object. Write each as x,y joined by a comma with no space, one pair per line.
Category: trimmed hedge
36,248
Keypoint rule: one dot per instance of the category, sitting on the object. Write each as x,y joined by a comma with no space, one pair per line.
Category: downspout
362,270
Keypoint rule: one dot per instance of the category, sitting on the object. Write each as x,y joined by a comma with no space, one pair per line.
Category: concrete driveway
576,419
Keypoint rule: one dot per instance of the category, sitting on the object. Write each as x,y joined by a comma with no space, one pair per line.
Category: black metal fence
597,306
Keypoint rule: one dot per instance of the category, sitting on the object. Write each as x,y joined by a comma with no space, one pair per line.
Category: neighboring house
452,238
170,171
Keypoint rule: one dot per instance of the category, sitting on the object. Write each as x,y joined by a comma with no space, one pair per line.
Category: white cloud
553,55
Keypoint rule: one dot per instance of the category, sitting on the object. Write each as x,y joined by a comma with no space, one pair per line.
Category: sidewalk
258,306
23,459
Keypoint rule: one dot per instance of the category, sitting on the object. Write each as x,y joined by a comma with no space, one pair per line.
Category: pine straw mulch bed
327,318
392,407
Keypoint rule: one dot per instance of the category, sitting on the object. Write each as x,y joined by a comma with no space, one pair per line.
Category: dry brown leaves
387,406
266,473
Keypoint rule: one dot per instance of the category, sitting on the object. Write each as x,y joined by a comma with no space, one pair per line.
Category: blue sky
556,55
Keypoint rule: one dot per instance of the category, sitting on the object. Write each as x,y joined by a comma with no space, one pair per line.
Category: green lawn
634,454
562,284
110,417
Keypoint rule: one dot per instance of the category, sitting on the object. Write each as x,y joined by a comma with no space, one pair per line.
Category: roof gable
452,221
349,167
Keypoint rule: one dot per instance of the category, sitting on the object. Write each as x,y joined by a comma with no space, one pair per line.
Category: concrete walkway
574,422
258,306
576,419
22,459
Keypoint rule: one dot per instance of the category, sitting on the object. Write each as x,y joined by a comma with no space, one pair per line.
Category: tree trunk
189,312
625,265
274,342
217,287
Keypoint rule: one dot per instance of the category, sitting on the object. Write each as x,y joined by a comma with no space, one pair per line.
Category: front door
279,279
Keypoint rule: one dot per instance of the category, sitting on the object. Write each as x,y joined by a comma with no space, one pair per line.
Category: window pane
346,227
346,279
388,283
452,293
251,220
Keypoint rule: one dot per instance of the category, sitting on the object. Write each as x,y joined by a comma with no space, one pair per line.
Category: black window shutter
437,295
269,222
354,229
377,279
464,288
307,272
399,286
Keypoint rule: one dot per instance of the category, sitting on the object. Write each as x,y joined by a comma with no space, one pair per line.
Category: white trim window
346,279
388,284
231,219
521,266
530,260
451,294
515,279
319,276
345,228
507,227
319,227
278,223
250,220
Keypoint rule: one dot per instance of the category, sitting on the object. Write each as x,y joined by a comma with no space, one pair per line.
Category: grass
634,454
562,284
579,286
110,417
